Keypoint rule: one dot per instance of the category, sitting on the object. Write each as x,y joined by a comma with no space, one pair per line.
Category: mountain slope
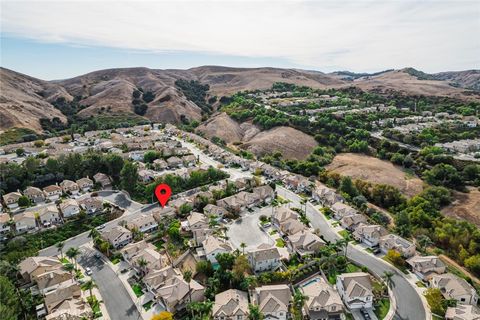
24,100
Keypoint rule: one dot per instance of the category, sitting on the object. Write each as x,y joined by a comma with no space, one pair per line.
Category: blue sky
61,39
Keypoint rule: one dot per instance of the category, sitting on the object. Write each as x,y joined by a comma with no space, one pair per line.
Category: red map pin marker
163,192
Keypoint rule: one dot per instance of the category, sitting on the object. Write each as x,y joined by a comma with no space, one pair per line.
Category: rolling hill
25,100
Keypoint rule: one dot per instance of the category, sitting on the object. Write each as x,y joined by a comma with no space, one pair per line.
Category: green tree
129,176
60,245
9,301
89,285
73,253
23,201
444,175
388,278
347,186
436,301
254,312
150,156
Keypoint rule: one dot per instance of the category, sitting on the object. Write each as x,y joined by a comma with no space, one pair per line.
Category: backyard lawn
280,243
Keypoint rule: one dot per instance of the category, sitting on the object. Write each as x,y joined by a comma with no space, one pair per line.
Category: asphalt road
246,230
118,302
409,304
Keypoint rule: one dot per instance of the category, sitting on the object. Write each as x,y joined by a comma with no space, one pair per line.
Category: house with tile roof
230,305
273,301
426,266
265,257
454,288
322,300
355,289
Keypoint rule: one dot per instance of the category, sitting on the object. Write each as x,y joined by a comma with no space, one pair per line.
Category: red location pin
163,192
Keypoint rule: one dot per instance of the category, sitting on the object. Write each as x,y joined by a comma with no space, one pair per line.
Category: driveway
246,229
118,302
409,303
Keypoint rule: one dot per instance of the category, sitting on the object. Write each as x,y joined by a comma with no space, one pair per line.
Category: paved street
409,304
115,296
246,230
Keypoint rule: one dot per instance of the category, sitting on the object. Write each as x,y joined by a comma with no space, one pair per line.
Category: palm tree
69,267
329,263
254,313
142,263
72,253
298,301
89,285
187,276
95,235
104,246
387,277
343,243
60,246
243,246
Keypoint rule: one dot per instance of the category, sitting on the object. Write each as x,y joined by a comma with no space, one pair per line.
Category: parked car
101,227
365,314
88,271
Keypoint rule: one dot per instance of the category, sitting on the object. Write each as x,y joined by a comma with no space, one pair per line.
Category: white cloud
355,35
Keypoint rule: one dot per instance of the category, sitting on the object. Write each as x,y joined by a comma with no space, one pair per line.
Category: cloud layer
354,35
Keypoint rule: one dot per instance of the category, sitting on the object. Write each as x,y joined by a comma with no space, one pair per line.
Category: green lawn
15,135
147,306
352,268
401,268
115,260
420,284
273,232
64,260
345,234
280,243
137,289
95,305
381,308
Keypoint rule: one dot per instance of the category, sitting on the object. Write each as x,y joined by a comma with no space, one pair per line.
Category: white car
88,271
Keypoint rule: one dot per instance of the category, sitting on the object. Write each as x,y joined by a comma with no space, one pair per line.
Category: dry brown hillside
24,100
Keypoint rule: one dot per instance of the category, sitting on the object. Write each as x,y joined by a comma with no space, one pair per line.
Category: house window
239,317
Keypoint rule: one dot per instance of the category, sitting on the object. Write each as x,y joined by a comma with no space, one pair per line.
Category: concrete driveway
246,229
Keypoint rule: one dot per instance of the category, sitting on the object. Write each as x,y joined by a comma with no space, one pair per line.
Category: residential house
66,291
34,194
49,215
174,162
11,199
92,205
213,210
52,192
426,266
250,199
281,215
69,208
272,301
463,312
102,179
85,184
155,279
133,253
454,288
144,223
291,226
179,202
230,305
25,221
187,261
341,210
69,186
176,293
264,193
189,160
75,308
146,175
305,243
322,300
297,183
233,204
163,214
52,279
326,196
202,197
369,234
136,155
213,246
118,236
198,224
160,164
30,268
4,223
264,258
355,289
351,222
397,243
